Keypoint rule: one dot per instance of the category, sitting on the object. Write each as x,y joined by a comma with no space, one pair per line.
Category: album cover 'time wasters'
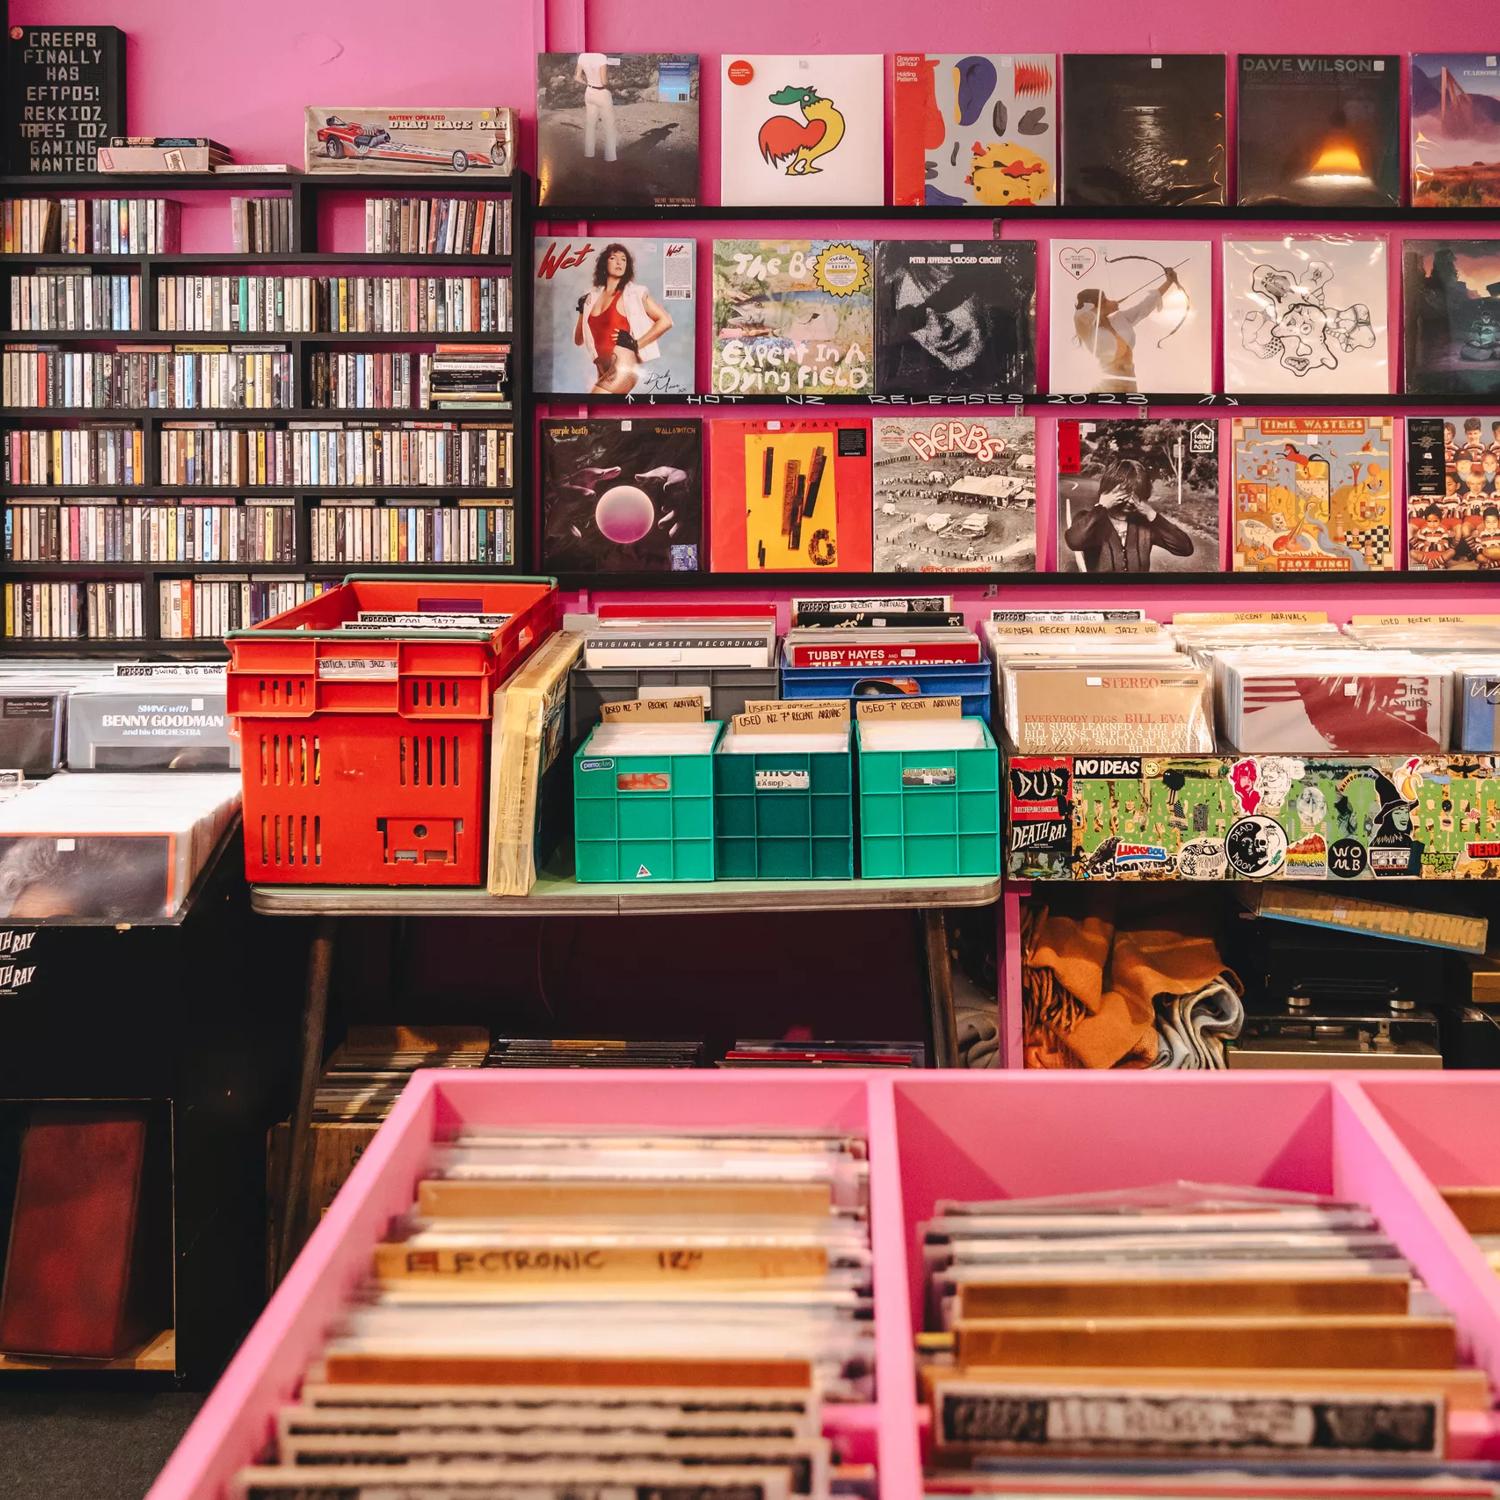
1143,129
1313,495
1138,496
790,496
793,317
617,129
613,317
970,128
1453,493
622,496
1306,315
802,129
955,494
1320,129
1452,305
955,318
1455,129
1131,315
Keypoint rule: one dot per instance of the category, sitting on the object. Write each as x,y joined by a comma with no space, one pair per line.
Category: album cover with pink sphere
622,496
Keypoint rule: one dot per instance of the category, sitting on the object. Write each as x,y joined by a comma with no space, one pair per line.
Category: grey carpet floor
88,1445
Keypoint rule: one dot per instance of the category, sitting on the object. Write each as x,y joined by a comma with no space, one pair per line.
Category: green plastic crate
929,812
639,818
784,815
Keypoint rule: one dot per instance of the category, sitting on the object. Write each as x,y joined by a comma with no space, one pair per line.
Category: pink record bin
1390,1143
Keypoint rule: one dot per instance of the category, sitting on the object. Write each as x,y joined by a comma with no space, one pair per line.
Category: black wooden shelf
803,582
1000,402
64,572
416,184
435,493
170,260
240,336
127,646
1230,213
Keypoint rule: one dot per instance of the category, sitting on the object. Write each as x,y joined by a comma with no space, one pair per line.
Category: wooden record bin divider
1390,1144
308,193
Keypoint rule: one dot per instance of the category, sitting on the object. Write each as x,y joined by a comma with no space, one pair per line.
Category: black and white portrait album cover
955,318
622,496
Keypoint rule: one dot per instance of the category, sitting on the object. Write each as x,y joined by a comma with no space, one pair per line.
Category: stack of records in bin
886,645
567,1052
368,1070
607,1314
810,1054
1246,1326
651,639
468,377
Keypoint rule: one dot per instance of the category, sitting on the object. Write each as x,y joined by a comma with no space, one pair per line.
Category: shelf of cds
188,442
992,1287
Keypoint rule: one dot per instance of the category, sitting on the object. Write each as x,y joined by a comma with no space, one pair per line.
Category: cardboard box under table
783,807
643,802
929,791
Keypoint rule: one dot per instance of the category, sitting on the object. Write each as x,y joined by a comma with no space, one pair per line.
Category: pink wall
243,72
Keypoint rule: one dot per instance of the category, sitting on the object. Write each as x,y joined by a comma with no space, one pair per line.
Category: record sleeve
1452,307
1138,496
622,497
790,495
802,129
1313,495
954,317
595,297
1306,316
793,317
1453,493
971,128
1131,316
1142,129
955,494
1319,129
619,130
1455,129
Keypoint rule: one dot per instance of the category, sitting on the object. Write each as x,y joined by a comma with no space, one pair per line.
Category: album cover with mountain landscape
1455,129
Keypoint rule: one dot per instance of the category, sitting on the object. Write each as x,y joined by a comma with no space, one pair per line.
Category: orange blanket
1093,966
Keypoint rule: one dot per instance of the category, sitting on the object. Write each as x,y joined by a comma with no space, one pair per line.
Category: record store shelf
1366,1138
1159,213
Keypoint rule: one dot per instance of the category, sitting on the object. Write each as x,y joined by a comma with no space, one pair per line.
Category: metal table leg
299,1140
942,1024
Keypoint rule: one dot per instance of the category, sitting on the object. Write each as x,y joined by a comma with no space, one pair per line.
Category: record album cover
1453,493
970,128
793,317
614,316
1313,495
790,496
622,497
1306,316
955,494
802,129
1138,496
1455,129
955,318
1320,129
1131,316
1143,129
1452,306
620,130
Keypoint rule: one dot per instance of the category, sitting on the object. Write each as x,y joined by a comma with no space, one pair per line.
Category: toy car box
359,139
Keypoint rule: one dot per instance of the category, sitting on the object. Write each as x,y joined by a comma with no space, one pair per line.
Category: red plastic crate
364,757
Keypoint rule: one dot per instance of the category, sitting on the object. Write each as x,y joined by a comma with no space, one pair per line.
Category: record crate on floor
364,751
1390,1145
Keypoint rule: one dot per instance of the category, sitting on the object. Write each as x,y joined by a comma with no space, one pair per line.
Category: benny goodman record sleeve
1131,316
955,317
